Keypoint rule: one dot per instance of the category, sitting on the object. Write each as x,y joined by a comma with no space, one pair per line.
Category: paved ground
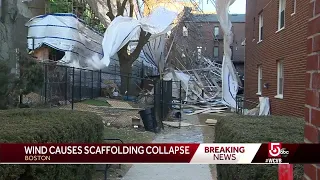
171,171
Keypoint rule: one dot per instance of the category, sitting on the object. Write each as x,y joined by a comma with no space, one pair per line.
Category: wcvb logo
274,150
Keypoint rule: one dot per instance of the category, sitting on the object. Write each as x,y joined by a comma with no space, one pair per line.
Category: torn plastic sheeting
65,32
123,29
177,76
154,49
264,106
230,80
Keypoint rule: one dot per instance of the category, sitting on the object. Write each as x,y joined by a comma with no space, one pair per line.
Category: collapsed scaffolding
205,81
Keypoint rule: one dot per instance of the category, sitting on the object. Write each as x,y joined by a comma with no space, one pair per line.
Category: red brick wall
287,45
312,108
206,40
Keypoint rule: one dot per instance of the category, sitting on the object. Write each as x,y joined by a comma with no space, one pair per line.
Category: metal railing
243,103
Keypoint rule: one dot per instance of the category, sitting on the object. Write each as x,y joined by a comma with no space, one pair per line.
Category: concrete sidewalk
173,171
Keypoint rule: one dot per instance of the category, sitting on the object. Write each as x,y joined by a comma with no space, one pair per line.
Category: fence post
45,81
72,88
237,101
80,85
180,104
32,43
100,90
128,79
91,84
66,86
142,70
155,106
161,101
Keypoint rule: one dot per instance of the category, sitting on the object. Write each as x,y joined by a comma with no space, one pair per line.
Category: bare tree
126,59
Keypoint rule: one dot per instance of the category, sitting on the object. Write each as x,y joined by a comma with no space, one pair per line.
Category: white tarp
264,106
67,33
229,78
154,51
124,29
177,77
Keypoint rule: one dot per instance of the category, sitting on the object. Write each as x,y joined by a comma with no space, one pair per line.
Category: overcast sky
239,7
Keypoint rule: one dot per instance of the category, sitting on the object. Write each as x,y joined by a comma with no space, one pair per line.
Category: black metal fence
167,100
243,104
65,86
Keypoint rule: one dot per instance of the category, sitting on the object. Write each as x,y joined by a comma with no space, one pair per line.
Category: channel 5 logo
276,150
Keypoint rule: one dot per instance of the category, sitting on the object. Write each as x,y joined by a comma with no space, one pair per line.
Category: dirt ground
114,117
127,135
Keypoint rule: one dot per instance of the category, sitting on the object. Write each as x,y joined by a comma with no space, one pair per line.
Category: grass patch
253,129
95,102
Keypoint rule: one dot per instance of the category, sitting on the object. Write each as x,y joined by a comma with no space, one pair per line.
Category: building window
280,79
185,31
216,52
254,27
282,8
260,27
216,31
259,80
294,6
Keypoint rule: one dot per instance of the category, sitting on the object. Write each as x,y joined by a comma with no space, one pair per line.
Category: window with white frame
216,31
260,27
282,8
259,79
294,6
280,79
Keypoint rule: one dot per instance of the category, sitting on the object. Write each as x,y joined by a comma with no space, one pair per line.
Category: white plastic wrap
67,33
264,106
124,29
229,77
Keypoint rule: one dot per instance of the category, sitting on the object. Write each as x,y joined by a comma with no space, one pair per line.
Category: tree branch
124,51
119,8
123,7
131,8
110,13
143,39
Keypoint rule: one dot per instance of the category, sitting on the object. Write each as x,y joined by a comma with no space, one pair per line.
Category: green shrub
54,126
250,129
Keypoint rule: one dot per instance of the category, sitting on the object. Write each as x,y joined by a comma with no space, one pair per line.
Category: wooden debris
119,104
211,121
176,124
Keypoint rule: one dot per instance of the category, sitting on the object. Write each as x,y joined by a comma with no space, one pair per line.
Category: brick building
276,34
312,108
201,33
